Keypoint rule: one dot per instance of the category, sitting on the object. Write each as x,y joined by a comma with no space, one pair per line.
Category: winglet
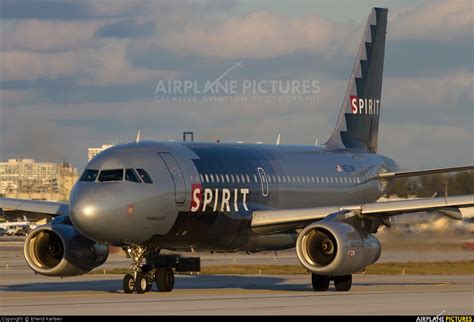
138,137
278,139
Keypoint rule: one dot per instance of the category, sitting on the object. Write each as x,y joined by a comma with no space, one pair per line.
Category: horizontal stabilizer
392,175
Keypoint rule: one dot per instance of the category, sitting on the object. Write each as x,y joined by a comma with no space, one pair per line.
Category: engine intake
335,248
60,250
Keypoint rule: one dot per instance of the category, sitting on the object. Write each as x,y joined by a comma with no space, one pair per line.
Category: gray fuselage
203,194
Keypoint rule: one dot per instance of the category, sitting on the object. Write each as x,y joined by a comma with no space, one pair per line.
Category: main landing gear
159,269
320,283
143,276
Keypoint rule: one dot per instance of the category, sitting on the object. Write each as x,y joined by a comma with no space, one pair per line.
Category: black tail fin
358,123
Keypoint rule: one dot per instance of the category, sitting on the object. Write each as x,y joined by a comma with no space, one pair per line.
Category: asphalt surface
23,292
102,294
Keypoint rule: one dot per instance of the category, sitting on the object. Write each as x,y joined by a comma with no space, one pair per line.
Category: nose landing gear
159,269
143,276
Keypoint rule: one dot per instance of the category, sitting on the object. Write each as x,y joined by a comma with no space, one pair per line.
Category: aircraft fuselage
203,194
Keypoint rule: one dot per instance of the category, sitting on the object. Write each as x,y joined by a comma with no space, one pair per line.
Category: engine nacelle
58,249
335,248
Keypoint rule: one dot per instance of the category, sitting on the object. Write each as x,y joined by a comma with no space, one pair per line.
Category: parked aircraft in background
17,228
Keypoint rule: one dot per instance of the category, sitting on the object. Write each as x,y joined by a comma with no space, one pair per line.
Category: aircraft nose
85,212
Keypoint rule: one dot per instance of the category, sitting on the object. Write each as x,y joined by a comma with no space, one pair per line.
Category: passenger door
176,175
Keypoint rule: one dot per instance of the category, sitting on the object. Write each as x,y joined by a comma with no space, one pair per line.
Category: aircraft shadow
269,283
188,282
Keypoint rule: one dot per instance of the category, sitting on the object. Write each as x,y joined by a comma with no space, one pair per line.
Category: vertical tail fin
358,122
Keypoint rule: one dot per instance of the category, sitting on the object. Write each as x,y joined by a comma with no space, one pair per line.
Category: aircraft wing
272,221
392,175
38,206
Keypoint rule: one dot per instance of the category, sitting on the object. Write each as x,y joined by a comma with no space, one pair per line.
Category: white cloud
433,90
261,34
435,20
416,145
48,35
105,63
17,96
108,65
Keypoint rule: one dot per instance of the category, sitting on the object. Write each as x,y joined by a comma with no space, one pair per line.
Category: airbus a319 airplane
185,196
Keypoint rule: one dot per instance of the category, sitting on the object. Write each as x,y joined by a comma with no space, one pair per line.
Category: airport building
28,179
92,152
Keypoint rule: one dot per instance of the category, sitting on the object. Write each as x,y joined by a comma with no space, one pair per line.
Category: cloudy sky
77,74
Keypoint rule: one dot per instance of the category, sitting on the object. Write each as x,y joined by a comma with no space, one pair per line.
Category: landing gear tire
343,283
165,279
148,287
320,282
141,284
128,284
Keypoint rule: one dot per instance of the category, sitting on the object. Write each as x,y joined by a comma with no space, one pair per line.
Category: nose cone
86,212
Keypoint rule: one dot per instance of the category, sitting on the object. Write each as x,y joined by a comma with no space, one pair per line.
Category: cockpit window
131,176
144,175
111,175
89,175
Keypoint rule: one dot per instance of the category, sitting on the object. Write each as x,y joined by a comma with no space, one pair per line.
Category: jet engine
58,249
336,248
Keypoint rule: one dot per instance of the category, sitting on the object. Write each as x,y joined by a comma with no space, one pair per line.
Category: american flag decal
339,168
130,210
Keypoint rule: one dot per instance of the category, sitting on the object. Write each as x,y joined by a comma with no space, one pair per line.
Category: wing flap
39,206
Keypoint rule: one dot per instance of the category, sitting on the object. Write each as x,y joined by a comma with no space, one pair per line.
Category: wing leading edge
39,206
272,221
